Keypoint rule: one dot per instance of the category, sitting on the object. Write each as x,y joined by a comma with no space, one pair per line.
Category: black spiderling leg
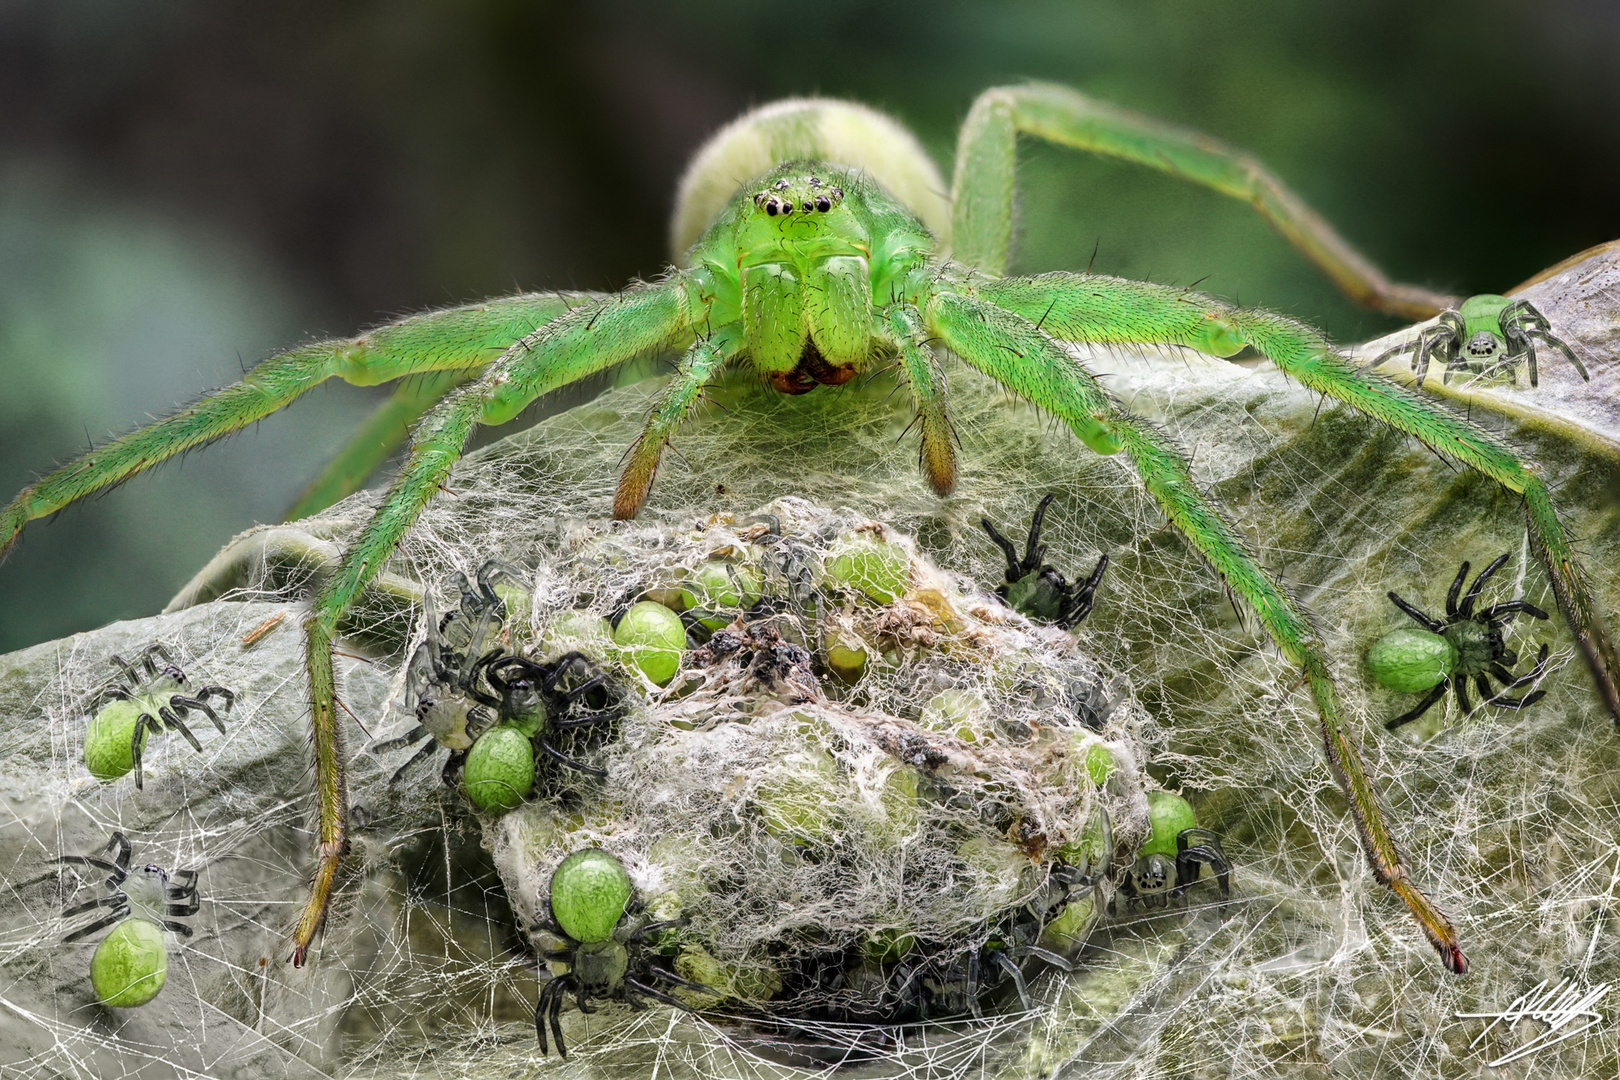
1467,609
1422,707
1434,626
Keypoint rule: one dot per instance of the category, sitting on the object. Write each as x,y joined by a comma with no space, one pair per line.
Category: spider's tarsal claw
1436,926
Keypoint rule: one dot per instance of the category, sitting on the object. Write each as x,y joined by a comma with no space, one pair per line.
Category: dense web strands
1510,817
811,275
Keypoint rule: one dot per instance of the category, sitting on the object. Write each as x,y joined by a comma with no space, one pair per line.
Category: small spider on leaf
131,964
538,702
1468,644
1483,335
144,700
443,681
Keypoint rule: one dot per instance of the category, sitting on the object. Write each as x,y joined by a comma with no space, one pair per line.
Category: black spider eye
770,208
838,193
780,185
823,203
759,197
807,205
815,181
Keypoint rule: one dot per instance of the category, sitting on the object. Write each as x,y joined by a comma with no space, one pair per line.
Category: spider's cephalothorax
1467,645
904,267
149,892
144,699
1036,589
1483,335
609,951
1174,855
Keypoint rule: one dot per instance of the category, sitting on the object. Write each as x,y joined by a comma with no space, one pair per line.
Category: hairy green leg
464,339
1015,352
702,363
1081,307
927,382
588,339
383,432
986,165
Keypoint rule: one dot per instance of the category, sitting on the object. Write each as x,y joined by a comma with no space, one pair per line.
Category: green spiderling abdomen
1482,314
109,742
1169,815
499,770
589,892
130,965
1411,660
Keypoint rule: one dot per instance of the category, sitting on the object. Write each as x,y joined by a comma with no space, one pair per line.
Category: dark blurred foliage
188,185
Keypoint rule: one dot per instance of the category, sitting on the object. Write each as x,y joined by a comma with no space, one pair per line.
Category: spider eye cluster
782,198
1483,345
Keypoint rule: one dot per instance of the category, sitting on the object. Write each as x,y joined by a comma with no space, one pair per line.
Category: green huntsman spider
843,253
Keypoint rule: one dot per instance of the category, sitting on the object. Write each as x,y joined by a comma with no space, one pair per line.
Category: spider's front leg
455,344
1092,308
986,164
588,339
1443,340
986,323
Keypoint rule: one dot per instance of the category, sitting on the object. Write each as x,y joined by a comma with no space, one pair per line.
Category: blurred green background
188,185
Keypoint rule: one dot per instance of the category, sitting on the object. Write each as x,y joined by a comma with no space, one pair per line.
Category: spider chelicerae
1467,644
150,892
